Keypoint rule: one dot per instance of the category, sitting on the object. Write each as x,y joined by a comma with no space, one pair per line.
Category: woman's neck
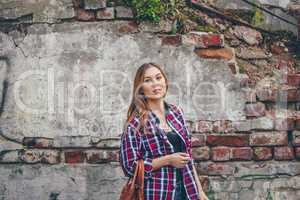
156,105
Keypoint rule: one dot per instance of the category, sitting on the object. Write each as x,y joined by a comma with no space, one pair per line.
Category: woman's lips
157,90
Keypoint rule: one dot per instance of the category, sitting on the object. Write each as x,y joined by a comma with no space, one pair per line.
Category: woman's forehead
151,72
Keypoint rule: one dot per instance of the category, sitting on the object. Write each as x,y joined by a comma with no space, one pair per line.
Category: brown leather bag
134,188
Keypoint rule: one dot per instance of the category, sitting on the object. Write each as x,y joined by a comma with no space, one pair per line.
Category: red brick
262,153
130,27
243,153
203,126
212,40
174,40
211,168
276,49
36,155
74,156
283,63
255,109
85,15
106,13
293,80
228,140
200,153
223,126
51,157
296,138
269,138
269,94
284,124
293,95
204,180
224,53
30,155
297,152
113,156
203,40
100,156
220,153
289,94
198,140
94,157
38,142
246,82
283,153
297,122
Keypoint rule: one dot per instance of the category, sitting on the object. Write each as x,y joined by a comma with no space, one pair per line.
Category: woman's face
154,83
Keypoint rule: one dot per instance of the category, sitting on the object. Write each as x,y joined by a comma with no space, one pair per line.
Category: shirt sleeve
189,144
130,153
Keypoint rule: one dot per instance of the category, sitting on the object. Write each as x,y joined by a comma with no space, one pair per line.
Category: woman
156,131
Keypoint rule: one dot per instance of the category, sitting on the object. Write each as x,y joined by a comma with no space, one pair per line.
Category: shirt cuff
148,167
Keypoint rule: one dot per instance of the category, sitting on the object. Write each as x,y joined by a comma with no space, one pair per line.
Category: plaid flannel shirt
159,184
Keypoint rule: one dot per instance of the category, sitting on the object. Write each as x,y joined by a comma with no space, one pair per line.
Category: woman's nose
156,82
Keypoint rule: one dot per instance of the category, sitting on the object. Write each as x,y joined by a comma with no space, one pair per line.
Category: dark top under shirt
177,143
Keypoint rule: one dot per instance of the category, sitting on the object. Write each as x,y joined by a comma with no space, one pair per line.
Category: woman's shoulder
133,122
132,126
176,108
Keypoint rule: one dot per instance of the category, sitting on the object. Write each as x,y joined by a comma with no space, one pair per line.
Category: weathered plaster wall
67,76
277,7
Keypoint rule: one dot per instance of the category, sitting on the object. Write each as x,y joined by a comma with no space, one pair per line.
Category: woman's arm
202,193
178,160
160,162
130,152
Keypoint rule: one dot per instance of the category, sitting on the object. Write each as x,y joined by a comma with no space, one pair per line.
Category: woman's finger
186,158
183,154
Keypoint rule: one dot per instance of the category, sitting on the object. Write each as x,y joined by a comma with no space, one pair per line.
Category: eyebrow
150,77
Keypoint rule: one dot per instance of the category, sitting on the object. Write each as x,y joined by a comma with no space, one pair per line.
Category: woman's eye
159,77
147,80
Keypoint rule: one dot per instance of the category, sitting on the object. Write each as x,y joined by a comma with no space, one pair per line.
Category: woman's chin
156,96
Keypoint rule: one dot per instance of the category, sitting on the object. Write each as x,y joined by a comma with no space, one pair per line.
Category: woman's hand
179,159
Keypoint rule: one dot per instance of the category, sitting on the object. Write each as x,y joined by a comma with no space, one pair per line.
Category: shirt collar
153,117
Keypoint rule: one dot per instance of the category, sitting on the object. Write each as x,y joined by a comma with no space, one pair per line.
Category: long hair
139,105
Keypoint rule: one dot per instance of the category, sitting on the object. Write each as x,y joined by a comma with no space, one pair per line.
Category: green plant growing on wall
242,69
269,196
154,10
146,9
258,18
206,28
